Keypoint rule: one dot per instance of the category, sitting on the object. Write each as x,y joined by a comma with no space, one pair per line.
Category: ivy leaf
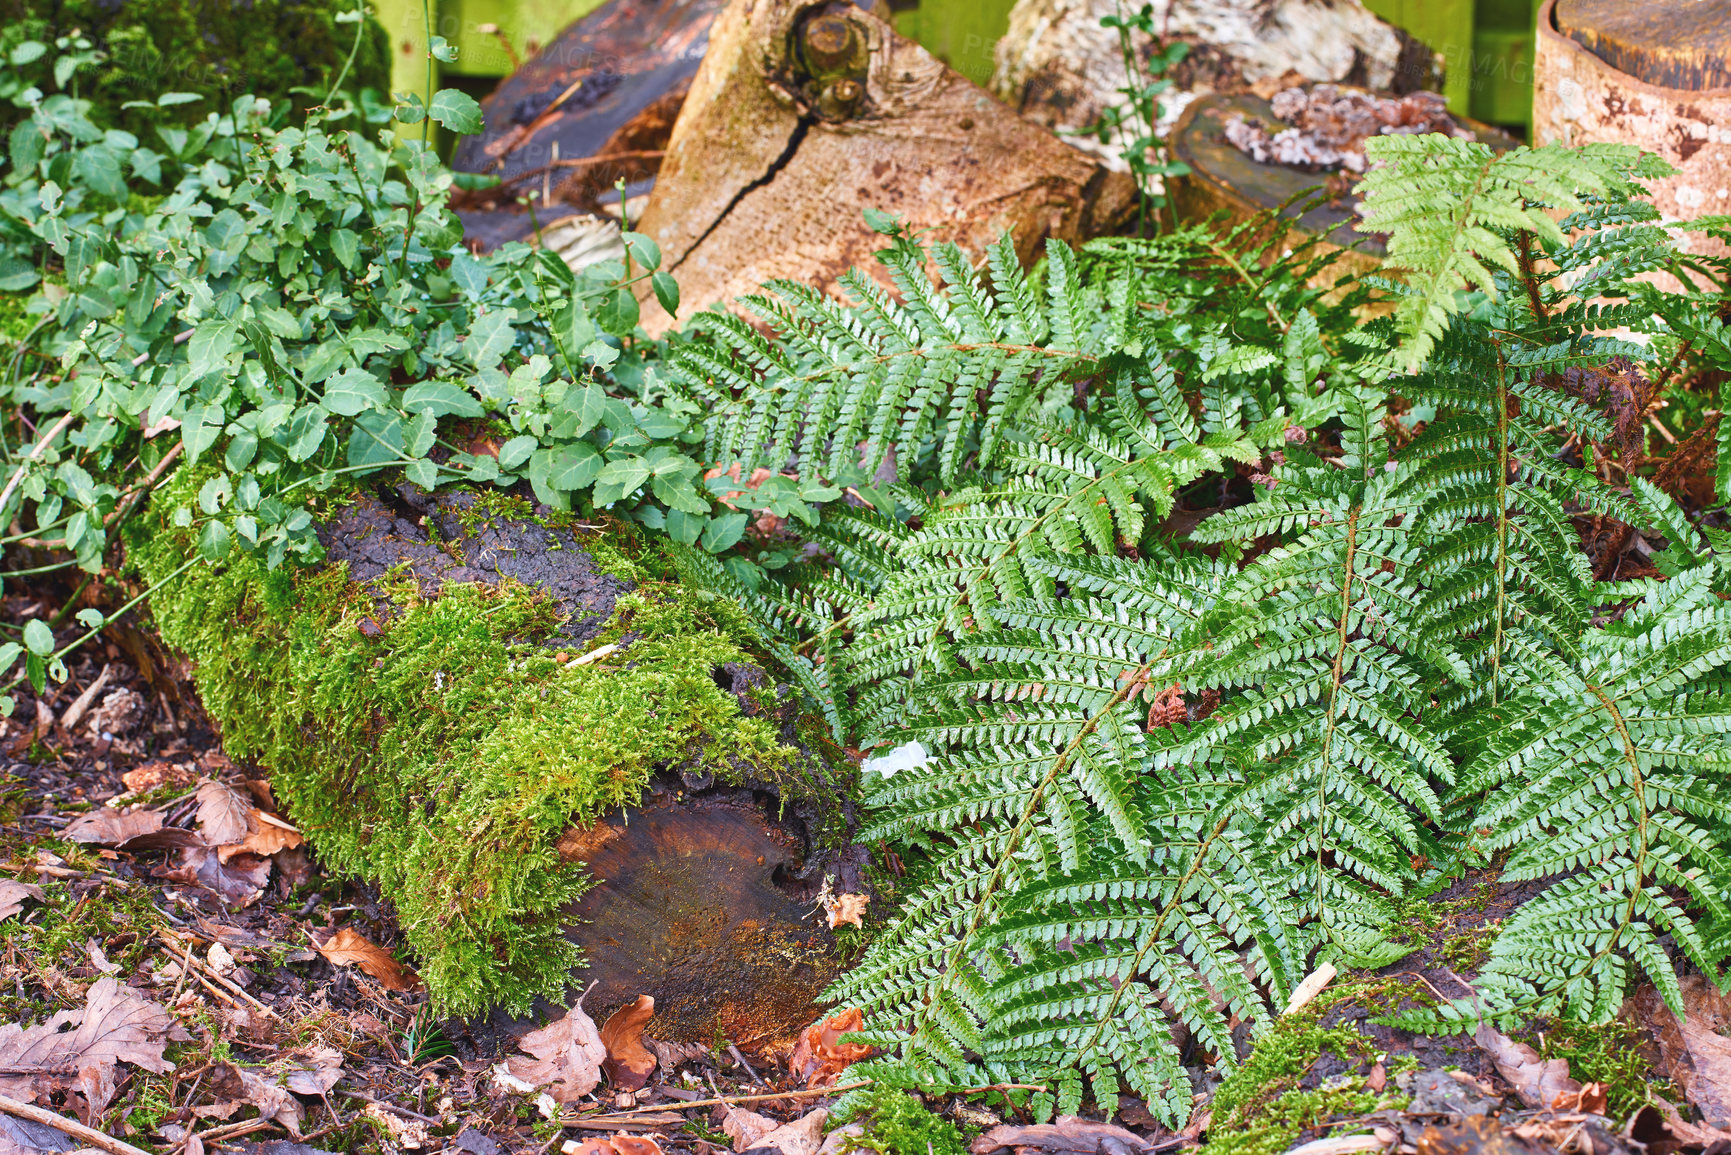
354,391
666,291
377,439
421,432
574,466
468,274
424,474
409,108
38,638
16,275
213,541
516,451
442,399
99,168
490,338
618,313
305,432
620,478
722,532
456,110
585,405
643,250
346,247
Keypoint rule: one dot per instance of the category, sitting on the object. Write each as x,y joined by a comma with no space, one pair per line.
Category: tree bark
802,116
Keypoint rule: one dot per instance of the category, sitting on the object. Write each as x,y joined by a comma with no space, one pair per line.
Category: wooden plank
1681,44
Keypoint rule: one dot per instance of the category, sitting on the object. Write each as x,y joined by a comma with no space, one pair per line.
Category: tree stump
1223,179
699,901
802,116
1061,68
1656,75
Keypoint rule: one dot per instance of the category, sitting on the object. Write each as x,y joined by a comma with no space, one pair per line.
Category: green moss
1263,1107
1610,1053
897,1123
443,758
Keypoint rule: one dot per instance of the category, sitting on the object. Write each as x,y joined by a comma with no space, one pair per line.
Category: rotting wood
803,116
698,903
1579,97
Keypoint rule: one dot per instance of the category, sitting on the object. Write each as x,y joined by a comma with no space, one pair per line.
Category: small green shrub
213,49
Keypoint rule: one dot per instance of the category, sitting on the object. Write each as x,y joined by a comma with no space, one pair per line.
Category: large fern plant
1190,673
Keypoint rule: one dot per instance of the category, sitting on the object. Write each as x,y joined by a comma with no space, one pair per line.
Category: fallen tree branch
72,1127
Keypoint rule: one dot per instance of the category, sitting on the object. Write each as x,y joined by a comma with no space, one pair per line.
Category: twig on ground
366,1098
730,1100
622,1124
65,1126
204,968
740,1059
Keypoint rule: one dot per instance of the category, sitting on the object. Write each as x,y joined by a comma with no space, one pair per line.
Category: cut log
1223,179
594,106
1683,44
1062,68
463,684
1581,95
698,902
803,116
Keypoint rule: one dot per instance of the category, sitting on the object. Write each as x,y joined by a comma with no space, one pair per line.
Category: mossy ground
1277,1094
442,758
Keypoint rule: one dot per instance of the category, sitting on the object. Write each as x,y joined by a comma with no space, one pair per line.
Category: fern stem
1132,684
1638,782
1502,525
1336,676
1237,266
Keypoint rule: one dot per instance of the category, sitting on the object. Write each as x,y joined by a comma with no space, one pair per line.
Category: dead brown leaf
803,1136
745,1128
1475,1135
151,775
348,947
568,1053
80,1048
234,1085
13,893
1539,1082
269,836
820,1056
324,1068
629,1063
224,814
1692,1053
106,826
617,1145
1687,1133
1066,1134
846,909
239,881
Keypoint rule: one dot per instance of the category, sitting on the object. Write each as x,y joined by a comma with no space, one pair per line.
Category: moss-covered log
460,684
